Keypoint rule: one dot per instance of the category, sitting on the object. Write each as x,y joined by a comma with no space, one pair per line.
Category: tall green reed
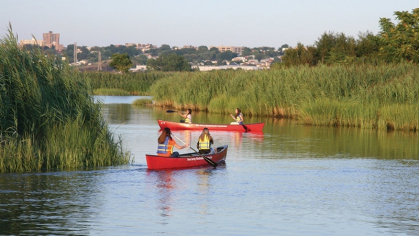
47,118
132,83
354,95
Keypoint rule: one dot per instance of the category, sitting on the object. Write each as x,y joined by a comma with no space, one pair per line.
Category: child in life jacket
204,142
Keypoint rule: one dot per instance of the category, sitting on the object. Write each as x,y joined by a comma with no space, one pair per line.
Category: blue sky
195,22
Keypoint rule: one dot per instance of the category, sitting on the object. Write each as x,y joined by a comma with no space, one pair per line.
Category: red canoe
257,127
185,160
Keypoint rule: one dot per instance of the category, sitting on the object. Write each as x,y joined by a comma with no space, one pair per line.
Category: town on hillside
201,58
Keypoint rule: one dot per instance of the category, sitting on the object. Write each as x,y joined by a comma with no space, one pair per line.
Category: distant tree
154,52
164,49
246,51
121,62
332,48
169,62
324,45
343,51
140,59
83,54
214,49
300,55
202,49
277,60
113,49
401,41
258,55
367,46
266,49
208,55
131,51
227,55
185,51
69,52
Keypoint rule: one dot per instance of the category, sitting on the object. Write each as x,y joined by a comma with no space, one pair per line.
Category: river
289,180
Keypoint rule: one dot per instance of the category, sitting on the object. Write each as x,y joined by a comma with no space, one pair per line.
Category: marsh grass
110,92
368,96
131,83
48,121
143,102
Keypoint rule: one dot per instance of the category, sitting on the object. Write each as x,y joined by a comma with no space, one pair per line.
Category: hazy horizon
185,22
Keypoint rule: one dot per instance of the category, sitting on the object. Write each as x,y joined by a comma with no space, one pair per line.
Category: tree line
394,43
201,54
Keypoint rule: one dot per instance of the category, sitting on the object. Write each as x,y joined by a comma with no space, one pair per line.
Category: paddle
245,128
171,111
205,158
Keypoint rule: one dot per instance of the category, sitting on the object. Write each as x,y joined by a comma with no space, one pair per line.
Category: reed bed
130,83
48,121
110,92
143,102
367,96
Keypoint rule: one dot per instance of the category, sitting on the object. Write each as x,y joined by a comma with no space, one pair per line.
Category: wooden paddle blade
170,111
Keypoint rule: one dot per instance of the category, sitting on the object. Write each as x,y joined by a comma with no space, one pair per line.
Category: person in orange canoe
166,144
187,116
238,117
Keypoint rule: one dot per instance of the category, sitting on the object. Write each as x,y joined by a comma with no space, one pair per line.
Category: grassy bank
143,102
368,96
48,121
110,92
105,83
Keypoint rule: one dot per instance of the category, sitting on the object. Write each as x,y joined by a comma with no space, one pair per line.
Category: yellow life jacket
164,148
188,119
204,144
238,118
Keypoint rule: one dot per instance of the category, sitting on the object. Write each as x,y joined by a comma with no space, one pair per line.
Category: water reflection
117,114
35,203
165,185
281,137
238,137
187,137
204,188
291,178
169,183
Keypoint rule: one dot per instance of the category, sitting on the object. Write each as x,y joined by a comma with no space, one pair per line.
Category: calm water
289,180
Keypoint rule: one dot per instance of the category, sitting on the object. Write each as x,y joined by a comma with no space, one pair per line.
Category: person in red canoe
166,144
204,142
187,116
238,117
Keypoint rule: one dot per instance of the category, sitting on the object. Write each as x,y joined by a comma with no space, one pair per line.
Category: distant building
238,50
225,67
51,39
32,41
239,59
142,47
139,68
